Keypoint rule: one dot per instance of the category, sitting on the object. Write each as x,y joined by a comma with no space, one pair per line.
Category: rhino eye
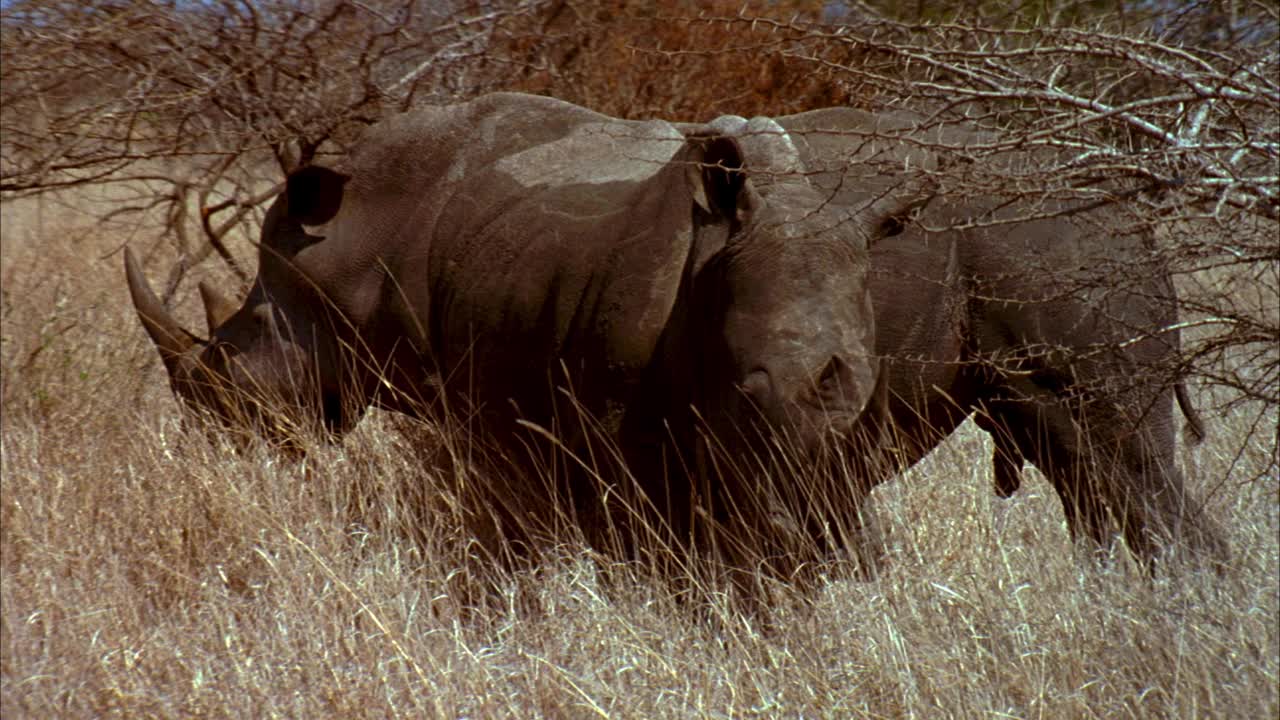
756,386
892,226
262,315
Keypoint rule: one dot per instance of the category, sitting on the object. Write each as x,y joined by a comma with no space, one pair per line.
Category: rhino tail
1194,431
957,295
953,265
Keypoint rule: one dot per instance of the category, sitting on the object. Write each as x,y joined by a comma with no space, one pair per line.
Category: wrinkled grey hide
1058,333
532,264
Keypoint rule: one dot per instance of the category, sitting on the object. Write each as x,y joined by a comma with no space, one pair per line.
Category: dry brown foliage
208,105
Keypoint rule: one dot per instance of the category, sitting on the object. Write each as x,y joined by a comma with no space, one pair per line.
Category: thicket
209,104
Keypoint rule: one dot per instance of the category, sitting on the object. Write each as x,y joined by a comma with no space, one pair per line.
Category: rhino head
264,370
784,315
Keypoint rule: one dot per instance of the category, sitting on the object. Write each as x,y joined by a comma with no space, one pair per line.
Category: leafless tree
1191,132
196,101
1173,107
201,107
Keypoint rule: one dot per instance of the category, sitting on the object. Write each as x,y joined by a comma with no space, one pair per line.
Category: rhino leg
1039,428
868,543
1143,487
1006,459
1007,462
1111,464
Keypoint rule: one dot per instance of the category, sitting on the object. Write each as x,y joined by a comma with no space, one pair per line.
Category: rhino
540,271
1055,327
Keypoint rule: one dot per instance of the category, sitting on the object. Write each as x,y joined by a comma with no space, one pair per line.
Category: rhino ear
890,215
315,194
717,178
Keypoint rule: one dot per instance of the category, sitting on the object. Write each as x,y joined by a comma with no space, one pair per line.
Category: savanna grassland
149,572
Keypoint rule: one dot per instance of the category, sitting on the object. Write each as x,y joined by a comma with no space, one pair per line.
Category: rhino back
507,234
854,155
1075,276
1080,280
1059,272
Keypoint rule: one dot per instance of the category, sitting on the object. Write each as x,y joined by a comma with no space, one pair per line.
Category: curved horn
217,308
169,337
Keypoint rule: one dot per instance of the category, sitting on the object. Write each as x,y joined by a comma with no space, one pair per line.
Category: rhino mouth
802,444
816,427
207,378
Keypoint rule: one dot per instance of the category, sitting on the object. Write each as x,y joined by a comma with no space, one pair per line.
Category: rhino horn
169,337
217,308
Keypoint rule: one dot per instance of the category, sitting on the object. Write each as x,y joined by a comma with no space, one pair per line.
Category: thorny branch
208,97
207,105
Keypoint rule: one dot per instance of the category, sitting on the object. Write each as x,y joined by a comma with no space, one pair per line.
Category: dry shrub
679,60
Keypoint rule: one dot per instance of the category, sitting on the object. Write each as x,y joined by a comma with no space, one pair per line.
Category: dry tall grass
148,573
